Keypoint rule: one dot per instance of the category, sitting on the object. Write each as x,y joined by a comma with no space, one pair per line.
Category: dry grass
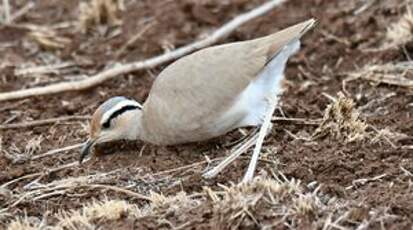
263,203
389,73
99,12
25,224
48,38
401,31
17,155
164,204
342,121
266,202
98,210
5,15
244,204
85,218
118,70
230,206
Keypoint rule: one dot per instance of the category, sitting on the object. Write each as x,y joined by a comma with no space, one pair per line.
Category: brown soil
339,45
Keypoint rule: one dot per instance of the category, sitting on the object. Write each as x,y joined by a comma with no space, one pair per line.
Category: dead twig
298,120
55,69
185,167
48,38
64,186
364,181
390,73
407,147
14,105
364,7
48,171
407,172
42,122
295,137
335,38
105,75
55,151
383,134
22,11
6,11
135,38
121,190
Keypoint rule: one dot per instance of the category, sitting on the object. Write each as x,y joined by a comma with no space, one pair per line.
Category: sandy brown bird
203,95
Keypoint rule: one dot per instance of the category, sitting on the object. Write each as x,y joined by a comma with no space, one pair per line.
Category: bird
203,95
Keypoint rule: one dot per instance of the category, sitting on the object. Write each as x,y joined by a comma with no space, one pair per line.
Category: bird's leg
264,130
238,151
234,155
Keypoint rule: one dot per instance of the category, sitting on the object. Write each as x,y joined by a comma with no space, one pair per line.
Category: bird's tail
287,36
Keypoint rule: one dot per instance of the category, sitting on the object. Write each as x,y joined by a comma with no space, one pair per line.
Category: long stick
97,79
47,121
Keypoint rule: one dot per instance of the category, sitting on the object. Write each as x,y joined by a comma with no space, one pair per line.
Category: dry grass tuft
97,210
164,204
305,204
246,204
25,223
98,12
342,120
401,31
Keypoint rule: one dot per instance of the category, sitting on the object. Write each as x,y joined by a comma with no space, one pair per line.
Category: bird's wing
195,90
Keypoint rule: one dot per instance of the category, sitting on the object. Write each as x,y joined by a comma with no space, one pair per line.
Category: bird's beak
86,149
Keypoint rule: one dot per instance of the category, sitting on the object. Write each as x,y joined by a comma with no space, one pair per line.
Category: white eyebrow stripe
117,107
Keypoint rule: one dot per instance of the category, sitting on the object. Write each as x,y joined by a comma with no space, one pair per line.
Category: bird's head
116,119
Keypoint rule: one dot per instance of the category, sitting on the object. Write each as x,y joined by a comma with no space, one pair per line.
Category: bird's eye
106,125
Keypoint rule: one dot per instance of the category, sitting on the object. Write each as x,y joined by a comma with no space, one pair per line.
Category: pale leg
234,155
264,130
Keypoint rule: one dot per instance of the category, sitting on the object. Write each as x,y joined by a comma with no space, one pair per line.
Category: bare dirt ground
366,182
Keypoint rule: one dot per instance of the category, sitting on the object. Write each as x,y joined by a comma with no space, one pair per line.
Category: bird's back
194,92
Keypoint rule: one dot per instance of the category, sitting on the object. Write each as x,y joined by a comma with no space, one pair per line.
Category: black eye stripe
106,124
